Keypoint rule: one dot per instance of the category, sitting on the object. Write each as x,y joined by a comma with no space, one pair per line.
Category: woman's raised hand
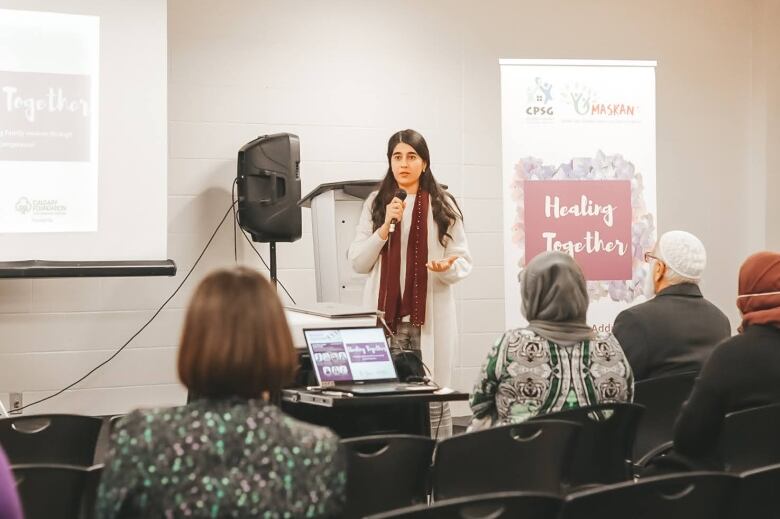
441,266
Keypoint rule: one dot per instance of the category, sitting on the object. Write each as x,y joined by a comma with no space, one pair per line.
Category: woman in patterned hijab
555,363
555,298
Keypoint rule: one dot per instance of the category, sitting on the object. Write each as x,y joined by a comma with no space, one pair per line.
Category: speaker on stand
269,189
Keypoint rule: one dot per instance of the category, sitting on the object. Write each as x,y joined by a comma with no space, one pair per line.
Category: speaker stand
272,246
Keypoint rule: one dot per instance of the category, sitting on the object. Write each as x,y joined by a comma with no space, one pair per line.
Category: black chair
386,472
89,496
500,505
750,438
683,496
113,421
759,493
662,397
653,456
603,450
530,456
51,439
60,491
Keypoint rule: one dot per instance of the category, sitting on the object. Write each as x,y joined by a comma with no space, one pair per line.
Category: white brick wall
344,75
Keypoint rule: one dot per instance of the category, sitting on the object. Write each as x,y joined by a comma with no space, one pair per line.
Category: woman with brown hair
229,452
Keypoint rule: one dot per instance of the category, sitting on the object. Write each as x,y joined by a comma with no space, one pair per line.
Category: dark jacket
672,333
742,372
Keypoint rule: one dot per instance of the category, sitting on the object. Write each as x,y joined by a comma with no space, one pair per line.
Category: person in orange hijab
743,371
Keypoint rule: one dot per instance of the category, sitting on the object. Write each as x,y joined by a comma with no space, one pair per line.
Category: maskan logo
585,101
23,205
540,98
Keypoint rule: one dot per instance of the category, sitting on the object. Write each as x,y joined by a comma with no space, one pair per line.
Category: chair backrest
679,496
662,397
499,505
750,438
603,450
89,496
530,456
54,438
386,472
48,491
113,421
759,492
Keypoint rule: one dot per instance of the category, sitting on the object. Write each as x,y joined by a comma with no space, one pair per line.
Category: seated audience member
742,372
556,362
10,507
229,452
675,331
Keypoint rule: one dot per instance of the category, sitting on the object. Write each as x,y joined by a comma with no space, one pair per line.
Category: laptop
356,360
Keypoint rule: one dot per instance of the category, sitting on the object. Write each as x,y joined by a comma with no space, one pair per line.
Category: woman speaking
411,242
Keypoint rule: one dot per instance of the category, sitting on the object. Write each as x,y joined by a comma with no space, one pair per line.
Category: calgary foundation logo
585,101
540,99
23,205
40,210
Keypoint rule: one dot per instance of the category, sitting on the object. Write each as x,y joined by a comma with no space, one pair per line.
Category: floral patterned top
221,458
526,375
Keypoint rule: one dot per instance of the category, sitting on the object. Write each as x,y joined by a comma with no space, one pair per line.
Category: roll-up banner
579,175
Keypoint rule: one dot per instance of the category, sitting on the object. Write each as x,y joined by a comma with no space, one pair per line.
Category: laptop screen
350,354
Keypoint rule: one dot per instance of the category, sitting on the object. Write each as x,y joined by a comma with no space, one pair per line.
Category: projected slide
49,75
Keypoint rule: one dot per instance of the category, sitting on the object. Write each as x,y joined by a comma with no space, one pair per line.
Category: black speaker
269,188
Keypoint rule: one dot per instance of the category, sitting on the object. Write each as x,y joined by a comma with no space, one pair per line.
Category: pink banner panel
589,220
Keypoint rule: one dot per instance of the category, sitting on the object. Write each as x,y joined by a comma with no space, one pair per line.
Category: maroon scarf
416,283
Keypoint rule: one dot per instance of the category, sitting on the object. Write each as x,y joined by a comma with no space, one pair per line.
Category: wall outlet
15,403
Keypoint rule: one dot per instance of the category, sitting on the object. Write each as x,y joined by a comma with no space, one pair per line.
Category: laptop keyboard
384,386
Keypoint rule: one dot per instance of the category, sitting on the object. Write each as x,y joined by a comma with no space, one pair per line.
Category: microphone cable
428,378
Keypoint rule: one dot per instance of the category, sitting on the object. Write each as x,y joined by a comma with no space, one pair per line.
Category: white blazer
439,334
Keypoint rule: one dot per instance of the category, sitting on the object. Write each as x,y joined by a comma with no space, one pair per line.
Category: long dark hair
443,205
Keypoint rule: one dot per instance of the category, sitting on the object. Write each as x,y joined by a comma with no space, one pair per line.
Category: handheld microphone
401,195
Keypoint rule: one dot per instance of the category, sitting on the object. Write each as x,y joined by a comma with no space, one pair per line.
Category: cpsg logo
539,110
540,98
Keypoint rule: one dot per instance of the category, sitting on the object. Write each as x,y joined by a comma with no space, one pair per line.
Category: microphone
400,194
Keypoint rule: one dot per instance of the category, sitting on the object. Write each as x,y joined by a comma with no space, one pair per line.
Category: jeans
407,338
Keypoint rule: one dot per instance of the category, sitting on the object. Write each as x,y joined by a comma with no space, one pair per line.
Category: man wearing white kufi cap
676,330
